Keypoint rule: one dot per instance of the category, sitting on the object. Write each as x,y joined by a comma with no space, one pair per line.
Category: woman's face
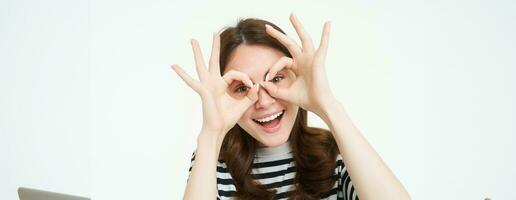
269,120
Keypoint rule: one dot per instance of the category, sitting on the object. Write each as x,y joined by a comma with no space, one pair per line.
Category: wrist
330,110
327,107
210,139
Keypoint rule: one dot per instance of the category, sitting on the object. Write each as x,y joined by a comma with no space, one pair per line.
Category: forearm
203,175
372,178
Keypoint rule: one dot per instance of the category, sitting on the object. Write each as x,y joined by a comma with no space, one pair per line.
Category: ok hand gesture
310,90
220,110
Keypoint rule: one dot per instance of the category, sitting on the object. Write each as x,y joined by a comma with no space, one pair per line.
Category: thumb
275,91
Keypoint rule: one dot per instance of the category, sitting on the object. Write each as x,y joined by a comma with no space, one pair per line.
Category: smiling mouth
270,121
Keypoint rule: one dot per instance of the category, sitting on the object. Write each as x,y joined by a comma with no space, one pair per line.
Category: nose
264,99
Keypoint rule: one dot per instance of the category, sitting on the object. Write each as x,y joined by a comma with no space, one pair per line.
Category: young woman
255,142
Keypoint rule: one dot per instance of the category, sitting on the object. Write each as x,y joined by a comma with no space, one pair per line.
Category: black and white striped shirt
274,167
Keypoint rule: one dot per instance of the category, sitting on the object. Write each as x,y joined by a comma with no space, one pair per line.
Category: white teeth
269,118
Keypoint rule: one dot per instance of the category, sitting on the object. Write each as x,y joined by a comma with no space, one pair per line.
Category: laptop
33,194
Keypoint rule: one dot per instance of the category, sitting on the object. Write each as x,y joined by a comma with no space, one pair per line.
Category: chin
273,130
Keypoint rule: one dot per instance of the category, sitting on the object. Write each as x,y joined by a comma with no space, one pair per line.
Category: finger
284,62
233,75
199,62
187,78
306,41
325,38
252,96
288,42
215,53
275,91
241,105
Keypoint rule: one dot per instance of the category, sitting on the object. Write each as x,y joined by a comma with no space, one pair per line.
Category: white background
89,105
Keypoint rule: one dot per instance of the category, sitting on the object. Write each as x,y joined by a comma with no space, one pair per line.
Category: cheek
293,108
246,117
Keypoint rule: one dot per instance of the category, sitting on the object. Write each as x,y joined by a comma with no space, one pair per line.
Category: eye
277,78
241,89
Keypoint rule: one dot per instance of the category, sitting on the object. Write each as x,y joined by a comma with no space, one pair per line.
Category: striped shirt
274,168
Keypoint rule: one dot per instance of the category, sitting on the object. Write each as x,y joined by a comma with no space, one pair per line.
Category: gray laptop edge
33,194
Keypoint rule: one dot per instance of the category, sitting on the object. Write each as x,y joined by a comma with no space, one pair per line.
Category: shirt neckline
272,151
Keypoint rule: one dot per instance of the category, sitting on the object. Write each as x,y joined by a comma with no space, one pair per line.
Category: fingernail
267,26
250,83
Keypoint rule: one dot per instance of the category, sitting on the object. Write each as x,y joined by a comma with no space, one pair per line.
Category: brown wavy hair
314,149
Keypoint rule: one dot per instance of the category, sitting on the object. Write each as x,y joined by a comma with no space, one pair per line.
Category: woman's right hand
221,111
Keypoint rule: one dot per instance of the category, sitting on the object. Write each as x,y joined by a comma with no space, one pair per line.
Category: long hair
314,149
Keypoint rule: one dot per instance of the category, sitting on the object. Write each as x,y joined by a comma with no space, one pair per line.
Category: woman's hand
220,110
310,89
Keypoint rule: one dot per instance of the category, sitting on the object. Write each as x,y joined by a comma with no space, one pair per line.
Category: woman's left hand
310,89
